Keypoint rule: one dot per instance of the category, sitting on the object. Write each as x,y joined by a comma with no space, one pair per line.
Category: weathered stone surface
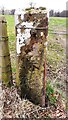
31,34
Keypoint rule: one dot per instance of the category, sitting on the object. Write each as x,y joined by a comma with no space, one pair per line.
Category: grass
57,21
11,31
57,24
10,27
55,54
55,49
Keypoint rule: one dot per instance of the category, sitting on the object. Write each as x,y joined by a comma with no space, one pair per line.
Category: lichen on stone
33,30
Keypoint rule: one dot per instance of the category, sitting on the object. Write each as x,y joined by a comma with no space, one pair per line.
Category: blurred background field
55,56
56,53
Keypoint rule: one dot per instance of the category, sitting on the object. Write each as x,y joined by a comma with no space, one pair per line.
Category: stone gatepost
31,41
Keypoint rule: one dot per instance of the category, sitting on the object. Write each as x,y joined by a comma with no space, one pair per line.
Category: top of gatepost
30,14
31,10
36,10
